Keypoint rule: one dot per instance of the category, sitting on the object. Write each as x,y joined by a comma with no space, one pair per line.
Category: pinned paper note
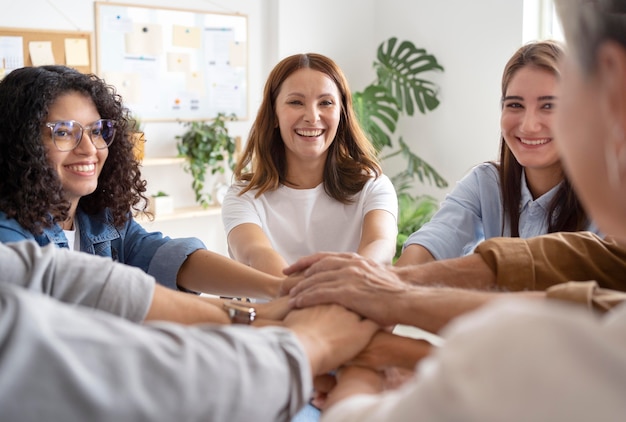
41,53
178,62
146,39
237,54
11,54
186,36
76,52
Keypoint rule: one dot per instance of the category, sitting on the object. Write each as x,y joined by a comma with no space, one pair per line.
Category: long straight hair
565,212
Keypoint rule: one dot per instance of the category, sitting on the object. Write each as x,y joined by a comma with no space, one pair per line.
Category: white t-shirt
300,222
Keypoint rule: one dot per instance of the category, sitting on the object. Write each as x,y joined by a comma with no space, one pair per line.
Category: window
540,21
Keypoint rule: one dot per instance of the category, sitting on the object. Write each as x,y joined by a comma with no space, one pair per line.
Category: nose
85,146
311,114
531,122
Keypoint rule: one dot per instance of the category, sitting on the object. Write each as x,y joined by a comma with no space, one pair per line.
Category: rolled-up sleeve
543,261
587,293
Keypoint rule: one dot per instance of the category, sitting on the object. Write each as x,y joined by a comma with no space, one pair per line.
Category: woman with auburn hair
535,197
308,179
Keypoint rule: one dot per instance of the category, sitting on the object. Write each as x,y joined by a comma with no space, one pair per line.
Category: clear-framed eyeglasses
66,134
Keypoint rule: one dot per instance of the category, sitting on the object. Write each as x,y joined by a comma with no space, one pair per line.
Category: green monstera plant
401,89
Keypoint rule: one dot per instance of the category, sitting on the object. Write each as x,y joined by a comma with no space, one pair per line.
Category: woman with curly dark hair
309,179
68,177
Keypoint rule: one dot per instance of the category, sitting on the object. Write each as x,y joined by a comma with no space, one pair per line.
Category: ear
611,71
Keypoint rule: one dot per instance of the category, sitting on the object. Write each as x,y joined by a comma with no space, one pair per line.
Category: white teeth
83,168
311,132
534,141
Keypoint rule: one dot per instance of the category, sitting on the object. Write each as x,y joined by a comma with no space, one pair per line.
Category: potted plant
400,88
207,146
161,203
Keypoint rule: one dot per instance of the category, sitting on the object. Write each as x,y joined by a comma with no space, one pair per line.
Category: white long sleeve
63,363
513,361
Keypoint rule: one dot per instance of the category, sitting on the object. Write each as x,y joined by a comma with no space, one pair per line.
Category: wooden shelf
181,213
162,161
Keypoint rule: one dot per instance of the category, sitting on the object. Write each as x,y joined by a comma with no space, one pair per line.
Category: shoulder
11,230
483,175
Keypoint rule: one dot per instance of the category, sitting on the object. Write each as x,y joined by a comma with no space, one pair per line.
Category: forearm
184,308
269,261
433,308
212,273
414,254
469,272
379,250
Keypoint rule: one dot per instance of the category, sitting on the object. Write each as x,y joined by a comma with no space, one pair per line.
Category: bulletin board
173,64
21,47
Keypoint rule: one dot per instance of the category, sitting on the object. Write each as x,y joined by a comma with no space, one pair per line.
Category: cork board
174,64
58,41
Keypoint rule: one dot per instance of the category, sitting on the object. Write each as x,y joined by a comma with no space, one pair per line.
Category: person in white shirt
309,179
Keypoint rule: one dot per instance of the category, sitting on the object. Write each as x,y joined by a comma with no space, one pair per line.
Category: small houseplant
161,203
207,146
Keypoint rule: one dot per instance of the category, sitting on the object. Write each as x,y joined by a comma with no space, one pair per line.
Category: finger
304,263
314,280
288,284
334,262
317,294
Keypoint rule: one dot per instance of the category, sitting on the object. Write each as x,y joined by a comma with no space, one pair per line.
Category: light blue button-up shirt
472,212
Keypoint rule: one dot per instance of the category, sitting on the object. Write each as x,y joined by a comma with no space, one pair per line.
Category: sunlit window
540,21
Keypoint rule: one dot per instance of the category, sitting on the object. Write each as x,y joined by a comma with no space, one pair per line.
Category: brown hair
351,158
565,212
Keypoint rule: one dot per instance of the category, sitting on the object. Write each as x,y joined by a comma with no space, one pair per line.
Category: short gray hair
587,23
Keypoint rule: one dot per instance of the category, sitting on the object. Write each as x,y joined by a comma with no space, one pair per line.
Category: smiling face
527,118
80,168
308,108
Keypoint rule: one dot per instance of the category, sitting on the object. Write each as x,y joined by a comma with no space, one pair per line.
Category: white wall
471,39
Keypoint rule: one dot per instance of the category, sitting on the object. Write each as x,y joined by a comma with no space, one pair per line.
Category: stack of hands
334,305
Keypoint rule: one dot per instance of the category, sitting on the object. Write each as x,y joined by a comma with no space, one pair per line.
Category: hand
274,310
359,284
330,334
304,263
387,350
289,282
352,380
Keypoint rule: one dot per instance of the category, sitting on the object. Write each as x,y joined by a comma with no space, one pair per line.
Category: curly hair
565,212
351,159
30,188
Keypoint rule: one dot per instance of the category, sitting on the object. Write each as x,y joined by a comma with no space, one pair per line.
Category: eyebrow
298,94
518,98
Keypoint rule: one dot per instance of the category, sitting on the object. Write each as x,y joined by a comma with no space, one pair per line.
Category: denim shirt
157,255
472,212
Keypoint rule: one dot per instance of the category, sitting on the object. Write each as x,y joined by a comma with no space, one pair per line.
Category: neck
304,176
540,181
68,224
